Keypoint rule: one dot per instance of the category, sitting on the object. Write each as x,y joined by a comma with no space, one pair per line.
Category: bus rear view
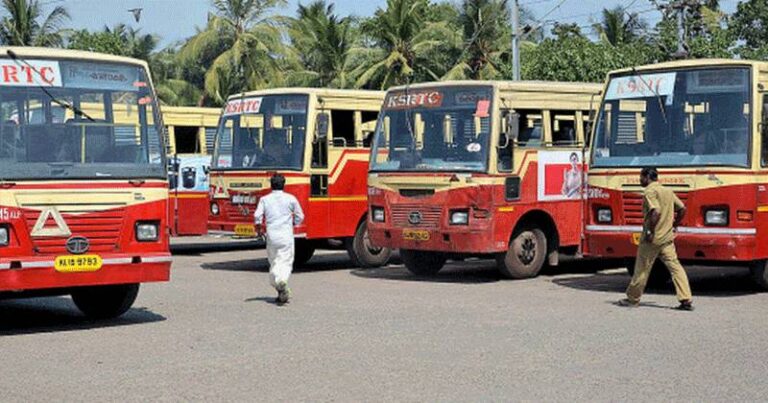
83,188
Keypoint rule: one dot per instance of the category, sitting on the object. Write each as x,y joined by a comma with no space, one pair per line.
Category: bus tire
659,276
363,253
525,256
302,251
105,302
759,273
422,263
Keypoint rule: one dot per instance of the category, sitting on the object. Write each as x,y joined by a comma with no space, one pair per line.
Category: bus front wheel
525,256
759,272
105,302
363,253
422,263
303,251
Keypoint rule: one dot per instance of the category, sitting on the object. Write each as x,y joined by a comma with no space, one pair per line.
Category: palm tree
486,39
241,47
619,27
21,26
322,42
402,37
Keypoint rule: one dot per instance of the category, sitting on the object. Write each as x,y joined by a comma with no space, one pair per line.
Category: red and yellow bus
319,139
490,169
702,124
83,187
191,132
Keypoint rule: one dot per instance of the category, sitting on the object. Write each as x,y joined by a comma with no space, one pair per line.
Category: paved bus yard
213,333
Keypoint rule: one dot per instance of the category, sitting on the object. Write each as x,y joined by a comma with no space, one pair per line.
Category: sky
175,20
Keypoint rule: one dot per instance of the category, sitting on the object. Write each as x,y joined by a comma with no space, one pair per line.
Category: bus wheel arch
361,251
533,242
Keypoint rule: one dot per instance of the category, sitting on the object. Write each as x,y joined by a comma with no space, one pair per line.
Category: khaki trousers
646,256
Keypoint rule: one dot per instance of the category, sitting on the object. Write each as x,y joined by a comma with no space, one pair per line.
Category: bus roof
33,52
681,64
328,92
527,86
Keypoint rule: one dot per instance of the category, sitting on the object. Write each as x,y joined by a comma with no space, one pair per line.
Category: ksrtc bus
702,123
319,140
489,169
191,132
83,189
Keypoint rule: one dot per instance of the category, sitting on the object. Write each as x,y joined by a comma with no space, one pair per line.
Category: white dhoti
280,250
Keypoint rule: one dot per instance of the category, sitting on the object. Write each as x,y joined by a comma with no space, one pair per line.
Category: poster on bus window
189,173
561,175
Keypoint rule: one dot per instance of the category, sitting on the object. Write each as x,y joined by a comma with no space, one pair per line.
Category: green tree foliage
619,27
241,48
119,40
321,42
749,25
23,25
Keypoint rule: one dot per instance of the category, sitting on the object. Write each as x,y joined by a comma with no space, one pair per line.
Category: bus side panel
188,213
347,192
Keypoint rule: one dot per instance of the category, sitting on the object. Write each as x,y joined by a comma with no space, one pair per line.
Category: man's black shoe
684,306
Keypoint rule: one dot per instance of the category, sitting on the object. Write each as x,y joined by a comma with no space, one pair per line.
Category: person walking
662,212
282,212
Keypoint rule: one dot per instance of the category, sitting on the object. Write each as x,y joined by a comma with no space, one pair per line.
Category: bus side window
320,140
764,133
369,119
210,137
187,139
343,125
531,130
564,129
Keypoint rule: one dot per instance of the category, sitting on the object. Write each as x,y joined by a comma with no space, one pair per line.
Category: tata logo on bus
416,99
36,73
238,106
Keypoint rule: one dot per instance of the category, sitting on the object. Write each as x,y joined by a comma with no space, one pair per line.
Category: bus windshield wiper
66,105
662,108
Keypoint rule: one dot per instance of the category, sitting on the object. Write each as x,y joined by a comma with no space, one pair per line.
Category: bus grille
633,206
102,228
237,212
430,216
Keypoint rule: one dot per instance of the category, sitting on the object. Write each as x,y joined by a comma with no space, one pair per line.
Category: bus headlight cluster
4,236
214,209
147,231
716,217
459,217
377,214
604,215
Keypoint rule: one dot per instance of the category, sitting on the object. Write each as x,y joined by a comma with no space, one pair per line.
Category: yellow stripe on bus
189,196
507,209
337,199
762,209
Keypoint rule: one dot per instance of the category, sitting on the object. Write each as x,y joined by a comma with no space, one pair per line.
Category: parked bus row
440,171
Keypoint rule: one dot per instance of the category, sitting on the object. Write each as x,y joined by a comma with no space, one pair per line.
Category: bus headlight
147,231
4,236
214,209
459,217
717,217
604,215
377,214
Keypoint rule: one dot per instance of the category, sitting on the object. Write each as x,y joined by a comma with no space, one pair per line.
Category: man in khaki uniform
662,212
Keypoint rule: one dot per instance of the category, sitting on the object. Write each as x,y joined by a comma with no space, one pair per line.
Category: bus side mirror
322,126
510,128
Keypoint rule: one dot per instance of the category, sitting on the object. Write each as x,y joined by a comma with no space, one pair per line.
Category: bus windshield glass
77,119
434,129
695,117
265,132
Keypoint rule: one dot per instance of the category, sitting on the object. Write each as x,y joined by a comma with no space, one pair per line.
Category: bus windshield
434,129
264,132
694,117
77,120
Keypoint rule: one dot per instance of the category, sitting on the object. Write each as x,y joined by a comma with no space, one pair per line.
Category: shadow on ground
319,262
196,249
59,314
705,281
470,271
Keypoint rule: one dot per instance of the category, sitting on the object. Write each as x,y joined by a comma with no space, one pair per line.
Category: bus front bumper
39,272
692,243
464,240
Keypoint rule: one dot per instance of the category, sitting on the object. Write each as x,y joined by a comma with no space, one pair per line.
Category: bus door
319,207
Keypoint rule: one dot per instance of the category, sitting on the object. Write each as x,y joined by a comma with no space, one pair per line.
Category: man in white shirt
282,212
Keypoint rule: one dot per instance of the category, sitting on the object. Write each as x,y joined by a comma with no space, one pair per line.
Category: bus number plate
415,235
77,263
245,231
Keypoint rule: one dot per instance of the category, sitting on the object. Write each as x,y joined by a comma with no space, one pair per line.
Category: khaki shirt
666,203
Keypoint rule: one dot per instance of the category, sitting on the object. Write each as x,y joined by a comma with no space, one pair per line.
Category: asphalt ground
214,334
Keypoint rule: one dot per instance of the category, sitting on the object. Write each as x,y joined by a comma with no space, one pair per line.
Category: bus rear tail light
604,215
716,217
5,236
